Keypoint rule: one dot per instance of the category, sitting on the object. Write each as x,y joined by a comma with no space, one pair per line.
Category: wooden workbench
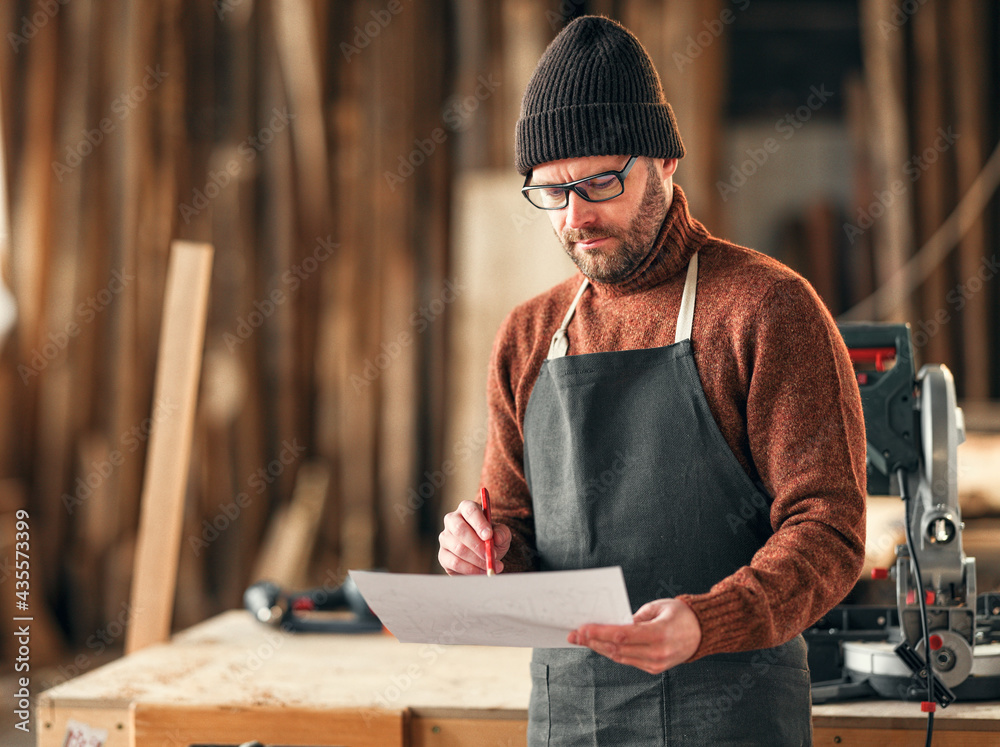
231,680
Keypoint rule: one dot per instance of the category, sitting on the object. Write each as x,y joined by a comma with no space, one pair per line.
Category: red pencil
484,496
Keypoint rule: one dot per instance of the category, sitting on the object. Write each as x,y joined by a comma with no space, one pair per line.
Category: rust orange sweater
781,387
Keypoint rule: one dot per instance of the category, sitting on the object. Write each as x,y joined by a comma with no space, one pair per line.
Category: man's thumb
645,613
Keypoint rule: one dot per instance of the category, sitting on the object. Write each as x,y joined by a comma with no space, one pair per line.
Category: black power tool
289,611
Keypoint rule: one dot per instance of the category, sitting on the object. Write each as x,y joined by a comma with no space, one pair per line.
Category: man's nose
579,212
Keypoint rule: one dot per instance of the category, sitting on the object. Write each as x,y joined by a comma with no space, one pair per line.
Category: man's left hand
663,634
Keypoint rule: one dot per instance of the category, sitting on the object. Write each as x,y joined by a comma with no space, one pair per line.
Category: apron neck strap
685,318
560,341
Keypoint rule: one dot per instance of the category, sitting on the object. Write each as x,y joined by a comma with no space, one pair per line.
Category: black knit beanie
594,92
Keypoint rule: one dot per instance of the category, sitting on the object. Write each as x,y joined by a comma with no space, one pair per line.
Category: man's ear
669,166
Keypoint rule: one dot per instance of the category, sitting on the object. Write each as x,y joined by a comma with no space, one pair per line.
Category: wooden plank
875,713
431,244
695,89
395,206
95,526
117,574
67,267
349,423
298,54
283,407
162,508
428,731
333,332
297,59
9,380
216,559
32,198
499,145
528,27
874,736
892,234
31,241
235,423
966,26
861,275
930,190
181,726
97,516
125,364
483,32
93,379
821,255
284,557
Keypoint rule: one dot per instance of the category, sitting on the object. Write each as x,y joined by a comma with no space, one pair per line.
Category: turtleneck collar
680,236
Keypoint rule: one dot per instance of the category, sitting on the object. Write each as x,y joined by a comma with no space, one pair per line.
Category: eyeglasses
598,188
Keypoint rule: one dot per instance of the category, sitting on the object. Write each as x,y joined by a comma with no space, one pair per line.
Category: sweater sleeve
503,463
805,429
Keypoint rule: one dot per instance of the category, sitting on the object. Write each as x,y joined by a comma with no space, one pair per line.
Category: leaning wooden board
178,371
231,679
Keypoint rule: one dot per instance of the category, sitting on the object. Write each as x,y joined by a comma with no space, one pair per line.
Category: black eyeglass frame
620,175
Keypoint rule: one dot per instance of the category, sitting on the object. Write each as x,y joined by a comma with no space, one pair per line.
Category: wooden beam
284,558
931,190
395,205
861,277
176,389
696,90
892,234
430,731
348,425
32,200
967,27
180,726
31,242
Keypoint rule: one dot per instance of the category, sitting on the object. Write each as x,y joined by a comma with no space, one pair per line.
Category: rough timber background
353,159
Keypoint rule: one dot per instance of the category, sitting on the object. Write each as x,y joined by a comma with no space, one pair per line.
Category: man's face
608,240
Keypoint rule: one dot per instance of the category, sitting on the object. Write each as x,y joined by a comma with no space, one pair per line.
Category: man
684,408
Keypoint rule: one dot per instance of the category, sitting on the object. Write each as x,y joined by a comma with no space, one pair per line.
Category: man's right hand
463,541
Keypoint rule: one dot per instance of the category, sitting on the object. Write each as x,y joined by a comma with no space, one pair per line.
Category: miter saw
914,428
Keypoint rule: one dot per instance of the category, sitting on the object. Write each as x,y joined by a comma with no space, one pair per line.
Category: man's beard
610,264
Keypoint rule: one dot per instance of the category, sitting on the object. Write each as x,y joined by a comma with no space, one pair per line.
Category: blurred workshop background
351,164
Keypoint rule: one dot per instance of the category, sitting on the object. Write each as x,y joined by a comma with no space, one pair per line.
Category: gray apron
626,466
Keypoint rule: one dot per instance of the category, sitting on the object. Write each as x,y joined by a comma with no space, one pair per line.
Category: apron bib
626,466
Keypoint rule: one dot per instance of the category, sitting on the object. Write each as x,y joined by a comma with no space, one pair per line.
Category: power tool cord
904,491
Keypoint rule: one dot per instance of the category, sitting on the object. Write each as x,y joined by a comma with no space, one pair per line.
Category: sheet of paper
516,609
